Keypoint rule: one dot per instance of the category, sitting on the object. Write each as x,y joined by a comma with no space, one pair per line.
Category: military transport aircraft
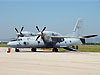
48,39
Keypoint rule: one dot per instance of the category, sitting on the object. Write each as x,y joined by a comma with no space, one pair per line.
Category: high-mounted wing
80,37
63,37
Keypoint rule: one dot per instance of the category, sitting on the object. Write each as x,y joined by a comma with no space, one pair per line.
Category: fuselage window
24,43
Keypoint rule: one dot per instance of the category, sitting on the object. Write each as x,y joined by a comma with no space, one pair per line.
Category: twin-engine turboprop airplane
49,39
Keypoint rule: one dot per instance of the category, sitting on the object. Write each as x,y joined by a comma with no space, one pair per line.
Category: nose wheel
16,50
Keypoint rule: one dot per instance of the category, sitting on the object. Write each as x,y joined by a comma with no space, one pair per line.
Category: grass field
3,45
81,48
85,48
89,48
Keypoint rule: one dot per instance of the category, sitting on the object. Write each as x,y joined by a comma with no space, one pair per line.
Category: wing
80,37
63,37
88,36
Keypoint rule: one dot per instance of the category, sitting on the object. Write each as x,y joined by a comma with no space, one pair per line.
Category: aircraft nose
10,44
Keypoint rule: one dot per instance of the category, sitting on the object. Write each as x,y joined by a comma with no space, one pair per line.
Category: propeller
19,34
37,28
40,33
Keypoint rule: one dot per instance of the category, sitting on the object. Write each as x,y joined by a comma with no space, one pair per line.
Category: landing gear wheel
16,50
73,46
33,49
76,46
55,50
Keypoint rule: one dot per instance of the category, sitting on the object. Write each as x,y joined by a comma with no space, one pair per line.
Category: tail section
83,41
76,31
77,27
82,38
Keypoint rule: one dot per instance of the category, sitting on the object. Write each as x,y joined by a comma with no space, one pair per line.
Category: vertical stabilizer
77,27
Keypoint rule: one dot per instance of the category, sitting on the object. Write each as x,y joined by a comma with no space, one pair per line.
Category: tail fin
77,27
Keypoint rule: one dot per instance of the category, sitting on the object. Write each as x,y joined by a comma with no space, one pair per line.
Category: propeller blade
17,37
21,34
16,30
41,33
43,29
37,28
37,38
22,29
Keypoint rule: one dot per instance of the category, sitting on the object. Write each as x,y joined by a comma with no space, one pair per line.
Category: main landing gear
33,49
55,50
75,46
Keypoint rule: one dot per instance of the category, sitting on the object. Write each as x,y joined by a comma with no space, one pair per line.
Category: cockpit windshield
16,39
19,39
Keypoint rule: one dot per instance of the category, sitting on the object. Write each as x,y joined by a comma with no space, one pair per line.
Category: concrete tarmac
48,63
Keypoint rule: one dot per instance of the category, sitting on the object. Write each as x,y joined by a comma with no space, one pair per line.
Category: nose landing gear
16,50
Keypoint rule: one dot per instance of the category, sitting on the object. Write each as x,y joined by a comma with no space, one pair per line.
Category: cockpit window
32,34
13,40
54,34
16,39
19,39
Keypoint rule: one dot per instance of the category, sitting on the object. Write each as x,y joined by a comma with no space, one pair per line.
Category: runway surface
48,63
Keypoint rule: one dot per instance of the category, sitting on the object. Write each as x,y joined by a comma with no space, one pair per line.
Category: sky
57,15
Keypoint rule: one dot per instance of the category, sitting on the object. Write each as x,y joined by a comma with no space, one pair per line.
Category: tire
55,50
33,49
77,47
16,50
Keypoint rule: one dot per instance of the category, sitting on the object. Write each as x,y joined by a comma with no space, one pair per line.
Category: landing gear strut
55,50
16,50
33,49
75,46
